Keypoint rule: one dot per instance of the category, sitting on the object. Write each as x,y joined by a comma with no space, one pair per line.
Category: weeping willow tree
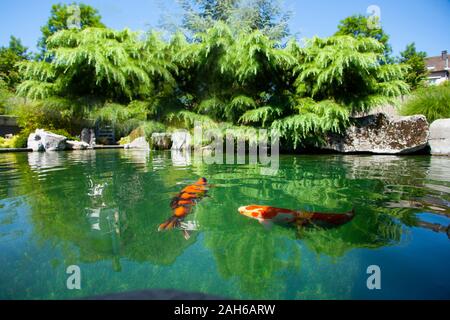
336,77
227,74
98,61
225,78
301,92
104,72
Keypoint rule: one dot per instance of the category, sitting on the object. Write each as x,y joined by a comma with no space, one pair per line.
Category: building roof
435,63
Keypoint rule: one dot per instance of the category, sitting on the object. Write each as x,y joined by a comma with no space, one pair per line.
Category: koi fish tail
170,223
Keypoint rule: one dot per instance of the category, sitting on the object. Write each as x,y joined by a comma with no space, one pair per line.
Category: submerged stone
378,133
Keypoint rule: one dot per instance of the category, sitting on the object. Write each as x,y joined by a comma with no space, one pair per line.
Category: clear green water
48,221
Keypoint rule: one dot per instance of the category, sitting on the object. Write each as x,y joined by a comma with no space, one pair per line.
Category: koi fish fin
186,234
174,202
266,223
170,223
351,213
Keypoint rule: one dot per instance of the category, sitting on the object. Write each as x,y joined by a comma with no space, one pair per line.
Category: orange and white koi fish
267,216
182,205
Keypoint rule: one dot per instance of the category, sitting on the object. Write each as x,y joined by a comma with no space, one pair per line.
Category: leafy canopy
415,60
63,16
9,57
334,78
97,62
359,26
227,74
266,16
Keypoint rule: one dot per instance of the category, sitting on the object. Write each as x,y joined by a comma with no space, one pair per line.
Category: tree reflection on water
108,204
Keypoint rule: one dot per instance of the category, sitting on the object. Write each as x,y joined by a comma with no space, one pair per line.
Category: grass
433,102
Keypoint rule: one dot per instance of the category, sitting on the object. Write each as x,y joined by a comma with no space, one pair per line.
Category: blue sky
425,22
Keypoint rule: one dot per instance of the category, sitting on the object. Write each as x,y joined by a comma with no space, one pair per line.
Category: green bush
433,102
7,143
16,141
64,132
50,114
21,140
5,95
145,129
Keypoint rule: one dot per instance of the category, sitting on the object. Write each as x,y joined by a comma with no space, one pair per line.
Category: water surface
100,210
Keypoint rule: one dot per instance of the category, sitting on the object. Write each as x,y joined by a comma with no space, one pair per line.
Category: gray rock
138,143
439,140
77,145
42,140
34,142
380,134
161,141
88,136
181,140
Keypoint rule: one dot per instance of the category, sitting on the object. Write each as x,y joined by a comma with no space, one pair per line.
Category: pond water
101,209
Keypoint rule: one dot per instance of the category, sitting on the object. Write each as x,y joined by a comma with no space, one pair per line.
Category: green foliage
188,119
62,15
116,113
432,101
227,76
144,129
5,96
97,61
8,142
358,27
334,78
9,58
261,115
267,16
313,120
415,60
349,71
51,114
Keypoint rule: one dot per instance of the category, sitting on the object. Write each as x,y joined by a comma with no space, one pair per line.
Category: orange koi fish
267,216
182,205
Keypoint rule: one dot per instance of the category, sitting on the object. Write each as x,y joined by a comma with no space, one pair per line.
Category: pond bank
5,150
373,134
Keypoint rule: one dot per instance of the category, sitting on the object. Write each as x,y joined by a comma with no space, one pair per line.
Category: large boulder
161,141
42,140
378,133
34,142
138,143
181,140
76,145
439,140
